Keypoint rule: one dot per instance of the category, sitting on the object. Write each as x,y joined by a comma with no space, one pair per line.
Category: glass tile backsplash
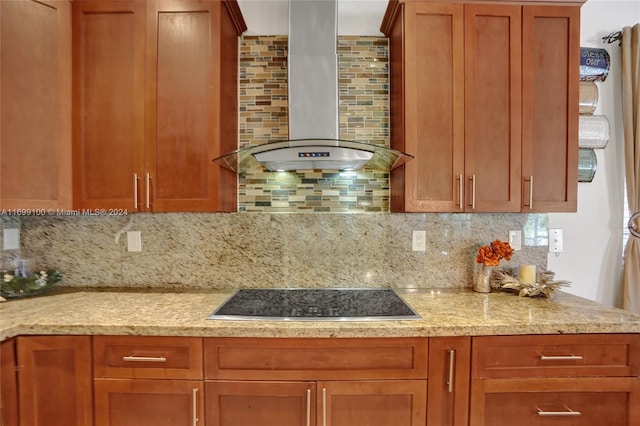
363,86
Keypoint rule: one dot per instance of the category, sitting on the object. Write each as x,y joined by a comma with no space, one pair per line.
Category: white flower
8,278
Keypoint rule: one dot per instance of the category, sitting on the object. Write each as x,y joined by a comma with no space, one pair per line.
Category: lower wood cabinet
438,381
8,383
556,380
131,402
380,403
55,380
549,401
448,384
239,403
334,403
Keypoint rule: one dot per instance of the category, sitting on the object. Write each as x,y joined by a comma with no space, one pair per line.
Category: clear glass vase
482,278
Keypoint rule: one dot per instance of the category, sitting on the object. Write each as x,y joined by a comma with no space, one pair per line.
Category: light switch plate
515,240
134,241
419,241
11,239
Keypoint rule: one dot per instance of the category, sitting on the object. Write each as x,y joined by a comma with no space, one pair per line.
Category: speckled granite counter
444,313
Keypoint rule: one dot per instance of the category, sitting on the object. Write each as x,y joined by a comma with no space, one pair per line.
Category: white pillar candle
527,274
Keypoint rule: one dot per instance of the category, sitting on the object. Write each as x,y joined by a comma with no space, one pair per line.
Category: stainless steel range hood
313,105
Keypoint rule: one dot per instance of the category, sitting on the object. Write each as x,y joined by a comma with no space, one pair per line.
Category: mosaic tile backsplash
363,86
228,250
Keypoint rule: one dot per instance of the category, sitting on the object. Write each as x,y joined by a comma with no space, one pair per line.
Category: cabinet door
493,107
260,403
183,103
380,403
35,105
433,122
108,103
448,384
55,380
130,402
8,383
551,37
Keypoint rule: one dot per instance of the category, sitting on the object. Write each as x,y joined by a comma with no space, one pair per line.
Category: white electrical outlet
134,241
515,240
556,243
419,242
11,239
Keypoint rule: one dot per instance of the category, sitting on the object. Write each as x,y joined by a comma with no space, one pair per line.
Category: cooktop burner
315,305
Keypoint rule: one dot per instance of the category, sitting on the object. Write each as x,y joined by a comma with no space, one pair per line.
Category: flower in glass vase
492,254
488,257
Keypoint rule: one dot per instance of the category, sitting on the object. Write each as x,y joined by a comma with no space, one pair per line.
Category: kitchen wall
359,244
592,256
210,250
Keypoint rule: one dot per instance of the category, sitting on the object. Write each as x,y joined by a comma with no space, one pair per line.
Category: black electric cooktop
315,305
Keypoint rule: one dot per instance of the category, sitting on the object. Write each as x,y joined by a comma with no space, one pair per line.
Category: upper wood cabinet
35,76
550,97
469,98
154,102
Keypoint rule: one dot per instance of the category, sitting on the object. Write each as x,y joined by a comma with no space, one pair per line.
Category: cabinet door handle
145,358
324,406
148,196
452,365
194,407
460,188
308,407
473,191
570,412
560,357
135,191
530,192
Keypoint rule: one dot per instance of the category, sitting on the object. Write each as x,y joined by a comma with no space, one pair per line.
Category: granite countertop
444,313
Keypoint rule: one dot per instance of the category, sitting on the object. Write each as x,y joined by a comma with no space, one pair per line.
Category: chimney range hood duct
313,105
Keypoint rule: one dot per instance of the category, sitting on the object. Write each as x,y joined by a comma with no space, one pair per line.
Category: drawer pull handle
145,358
324,406
452,365
559,413
194,406
560,357
308,407
460,190
473,191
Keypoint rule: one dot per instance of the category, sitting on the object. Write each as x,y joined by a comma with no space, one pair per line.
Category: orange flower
492,254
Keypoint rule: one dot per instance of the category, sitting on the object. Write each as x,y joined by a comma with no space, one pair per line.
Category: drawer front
610,355
147,357
555,401
557,408
315,359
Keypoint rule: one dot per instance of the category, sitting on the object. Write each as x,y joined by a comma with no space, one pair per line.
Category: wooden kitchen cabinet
380,403
55,380
148,380
138,402
331,382
550,92
568,379
35,112
267,403
334,403
474,105
154,102
448,384
8,383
